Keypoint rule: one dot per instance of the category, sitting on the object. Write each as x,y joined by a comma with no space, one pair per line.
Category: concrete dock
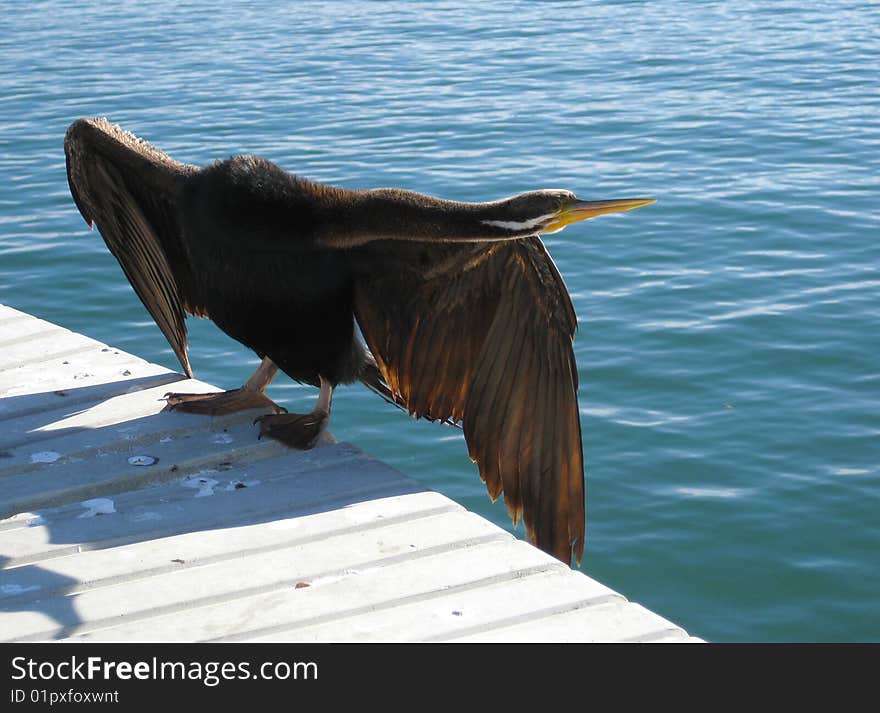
122,522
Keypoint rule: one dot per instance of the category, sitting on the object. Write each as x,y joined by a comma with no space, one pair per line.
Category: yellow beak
581,210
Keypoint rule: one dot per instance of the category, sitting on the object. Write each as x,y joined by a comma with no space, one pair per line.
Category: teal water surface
729,334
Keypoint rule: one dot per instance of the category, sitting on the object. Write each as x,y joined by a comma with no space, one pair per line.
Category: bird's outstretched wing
128,189
482,333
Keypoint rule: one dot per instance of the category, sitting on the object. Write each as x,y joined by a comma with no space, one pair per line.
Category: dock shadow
24,589
251,488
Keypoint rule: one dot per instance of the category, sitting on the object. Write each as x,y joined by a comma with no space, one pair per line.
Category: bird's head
550,210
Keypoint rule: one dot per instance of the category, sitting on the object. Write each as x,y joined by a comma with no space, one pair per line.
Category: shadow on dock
27,595
103,467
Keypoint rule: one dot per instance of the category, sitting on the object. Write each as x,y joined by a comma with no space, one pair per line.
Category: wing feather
129,189
482,334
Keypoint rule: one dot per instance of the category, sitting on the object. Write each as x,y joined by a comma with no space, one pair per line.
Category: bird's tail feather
372,378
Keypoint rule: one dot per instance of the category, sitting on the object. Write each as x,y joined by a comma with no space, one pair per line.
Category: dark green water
729,334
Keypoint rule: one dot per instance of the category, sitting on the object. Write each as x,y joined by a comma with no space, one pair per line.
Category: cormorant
465,316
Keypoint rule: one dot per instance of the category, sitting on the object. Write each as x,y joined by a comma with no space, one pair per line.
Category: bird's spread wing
482,334
127,188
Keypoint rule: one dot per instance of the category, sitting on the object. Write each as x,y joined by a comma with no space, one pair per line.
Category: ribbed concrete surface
224,537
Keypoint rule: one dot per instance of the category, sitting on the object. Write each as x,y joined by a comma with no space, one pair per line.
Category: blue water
729,337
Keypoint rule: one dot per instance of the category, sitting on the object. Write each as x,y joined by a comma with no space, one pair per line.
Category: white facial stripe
524,225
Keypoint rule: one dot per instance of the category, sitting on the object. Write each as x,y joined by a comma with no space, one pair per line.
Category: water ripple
728,334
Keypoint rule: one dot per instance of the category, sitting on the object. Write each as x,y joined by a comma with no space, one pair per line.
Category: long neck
356,217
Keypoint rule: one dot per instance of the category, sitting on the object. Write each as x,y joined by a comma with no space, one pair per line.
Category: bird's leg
299,430
249,396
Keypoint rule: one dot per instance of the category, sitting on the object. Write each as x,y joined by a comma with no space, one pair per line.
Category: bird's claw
301,431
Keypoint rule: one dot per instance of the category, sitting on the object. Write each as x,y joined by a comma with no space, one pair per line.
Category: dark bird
465,316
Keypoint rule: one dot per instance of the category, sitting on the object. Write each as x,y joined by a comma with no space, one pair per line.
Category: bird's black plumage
465,315
262,277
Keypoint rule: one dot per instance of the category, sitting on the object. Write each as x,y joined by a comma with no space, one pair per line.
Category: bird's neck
355,217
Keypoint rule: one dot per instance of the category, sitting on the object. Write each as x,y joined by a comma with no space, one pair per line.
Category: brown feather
136,218
483,334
